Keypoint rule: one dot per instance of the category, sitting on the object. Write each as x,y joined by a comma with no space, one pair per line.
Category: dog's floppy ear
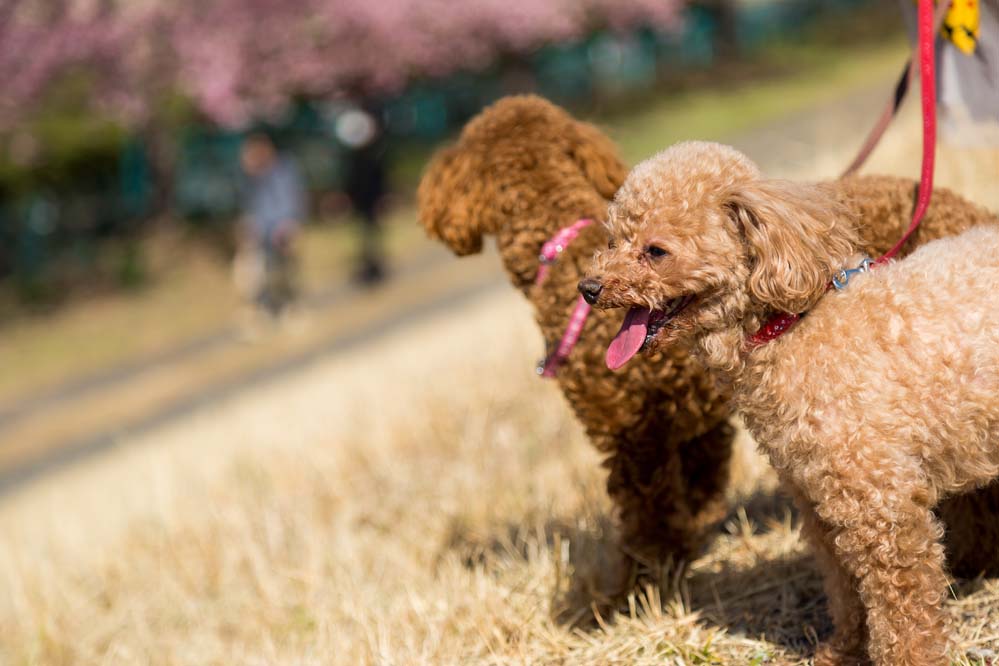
597,156
798,235
448,199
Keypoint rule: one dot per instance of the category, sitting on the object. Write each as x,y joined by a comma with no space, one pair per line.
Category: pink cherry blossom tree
236,59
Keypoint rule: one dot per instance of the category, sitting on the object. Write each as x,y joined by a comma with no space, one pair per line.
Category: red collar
773,328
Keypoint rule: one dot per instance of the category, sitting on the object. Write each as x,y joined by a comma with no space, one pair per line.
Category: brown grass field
423,500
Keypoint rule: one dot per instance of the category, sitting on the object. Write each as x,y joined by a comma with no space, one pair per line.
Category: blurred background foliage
96,154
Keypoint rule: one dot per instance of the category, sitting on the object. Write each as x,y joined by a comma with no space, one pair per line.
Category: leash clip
842,277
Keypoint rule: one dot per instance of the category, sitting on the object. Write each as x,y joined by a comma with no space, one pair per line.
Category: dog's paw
835,654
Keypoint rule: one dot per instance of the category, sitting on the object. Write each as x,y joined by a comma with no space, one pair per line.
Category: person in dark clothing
360,129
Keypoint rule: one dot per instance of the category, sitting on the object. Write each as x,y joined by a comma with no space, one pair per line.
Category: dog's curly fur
880,402
522,170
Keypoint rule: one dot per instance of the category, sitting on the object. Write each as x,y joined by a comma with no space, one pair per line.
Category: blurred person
967,71
273,211
360,129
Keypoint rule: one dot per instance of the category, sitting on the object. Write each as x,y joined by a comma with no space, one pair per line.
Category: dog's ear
597,157
798,235
448,199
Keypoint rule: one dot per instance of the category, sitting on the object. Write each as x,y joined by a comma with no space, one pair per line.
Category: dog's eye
655,251
611,245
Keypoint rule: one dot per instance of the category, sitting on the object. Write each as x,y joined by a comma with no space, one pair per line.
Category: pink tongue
630,338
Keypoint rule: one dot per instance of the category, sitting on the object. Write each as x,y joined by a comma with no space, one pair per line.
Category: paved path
51,397
98,411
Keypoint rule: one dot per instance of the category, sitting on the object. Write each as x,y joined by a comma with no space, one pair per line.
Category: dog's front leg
885,535
848,645
670,495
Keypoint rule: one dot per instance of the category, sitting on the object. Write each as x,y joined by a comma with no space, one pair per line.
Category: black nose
590,289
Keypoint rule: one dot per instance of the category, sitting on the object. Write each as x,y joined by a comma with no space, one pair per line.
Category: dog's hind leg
972,531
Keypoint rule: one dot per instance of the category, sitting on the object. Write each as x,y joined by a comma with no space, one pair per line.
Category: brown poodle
522,170
877,403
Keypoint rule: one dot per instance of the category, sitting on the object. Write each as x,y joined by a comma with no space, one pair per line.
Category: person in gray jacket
274,207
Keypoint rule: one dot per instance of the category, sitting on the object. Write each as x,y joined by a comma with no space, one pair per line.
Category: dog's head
701,243
514,164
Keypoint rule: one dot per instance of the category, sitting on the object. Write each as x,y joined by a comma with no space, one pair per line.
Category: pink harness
549,253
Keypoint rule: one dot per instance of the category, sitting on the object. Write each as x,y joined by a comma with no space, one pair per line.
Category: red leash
928,88
894,104
780,323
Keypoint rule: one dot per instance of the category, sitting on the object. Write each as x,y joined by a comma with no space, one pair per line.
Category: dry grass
439,528
389,508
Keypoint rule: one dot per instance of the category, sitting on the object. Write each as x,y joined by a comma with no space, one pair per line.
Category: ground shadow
763,509
754,592
780,598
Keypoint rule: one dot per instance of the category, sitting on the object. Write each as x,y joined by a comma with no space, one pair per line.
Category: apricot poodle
881,400
524,169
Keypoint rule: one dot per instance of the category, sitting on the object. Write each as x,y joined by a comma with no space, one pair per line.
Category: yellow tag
961,25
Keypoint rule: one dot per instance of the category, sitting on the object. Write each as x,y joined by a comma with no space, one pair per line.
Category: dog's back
908,353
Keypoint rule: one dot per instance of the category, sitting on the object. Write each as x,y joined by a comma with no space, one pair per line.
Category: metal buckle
842,277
